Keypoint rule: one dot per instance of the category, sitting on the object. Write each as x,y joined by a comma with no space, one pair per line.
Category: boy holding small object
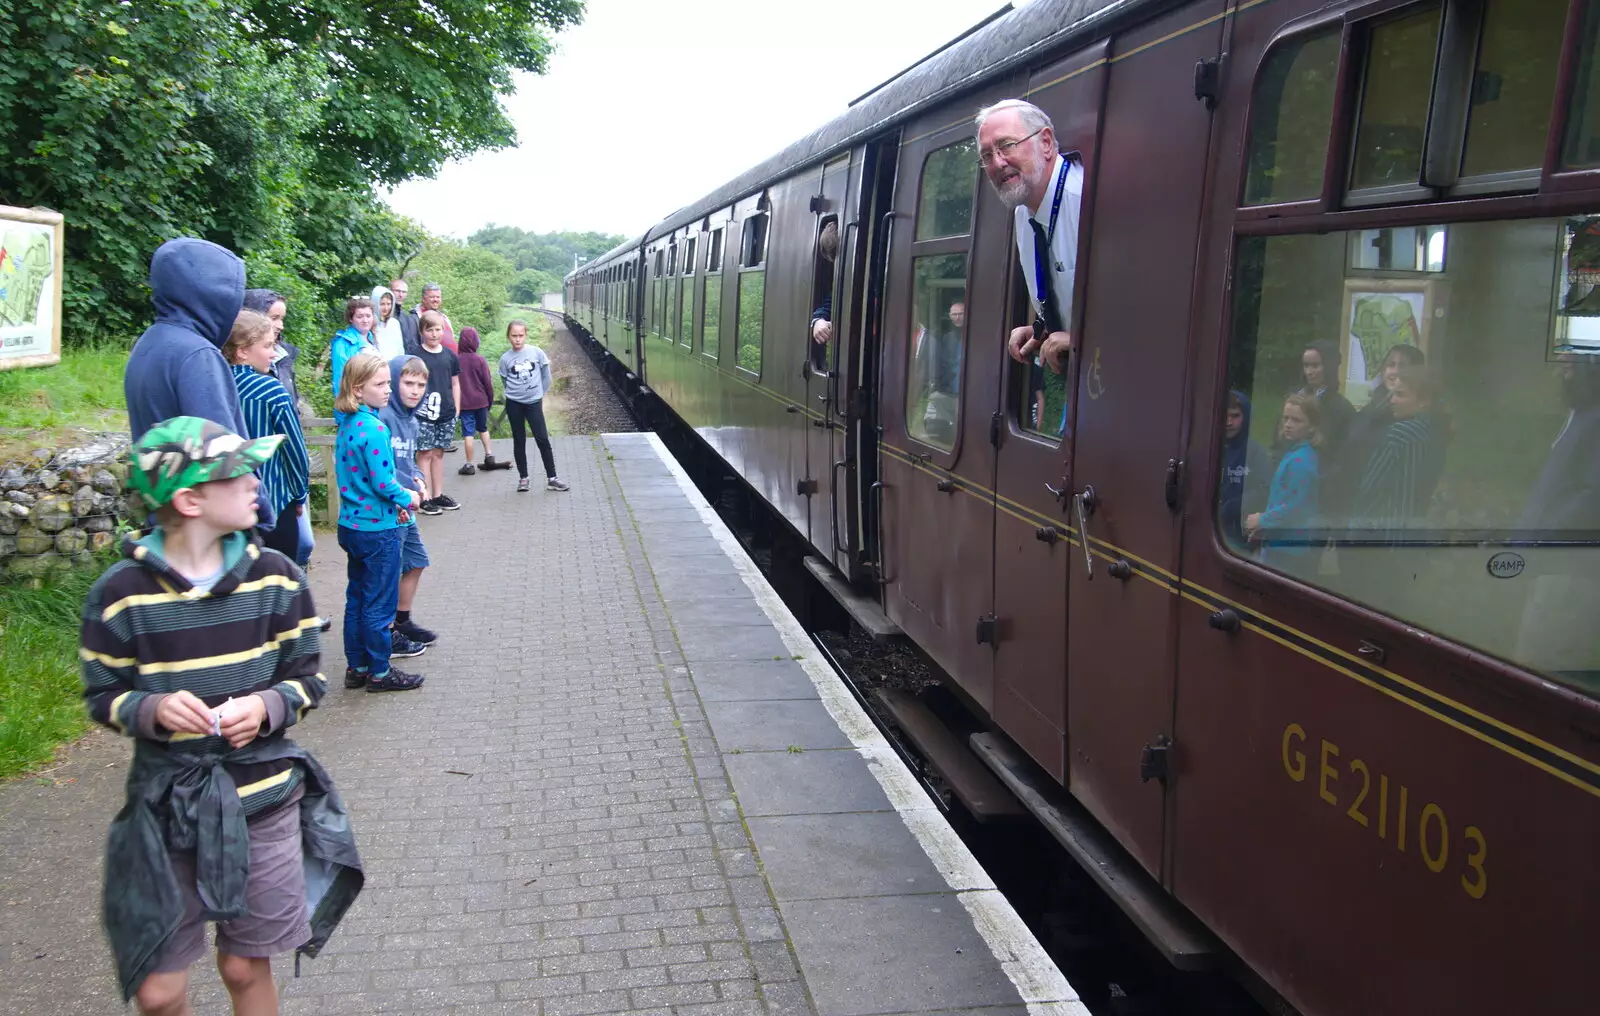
204,650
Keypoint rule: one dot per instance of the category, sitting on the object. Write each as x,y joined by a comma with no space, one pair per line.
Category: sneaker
429,508
490,462
447,502
416,633
395,680
403,648
522,485
354,678
555,483
467,469
451,448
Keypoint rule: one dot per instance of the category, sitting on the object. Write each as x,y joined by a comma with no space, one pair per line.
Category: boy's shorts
435,434
475,421
413,554
276,895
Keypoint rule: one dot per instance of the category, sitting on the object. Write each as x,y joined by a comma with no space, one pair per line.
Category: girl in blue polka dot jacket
373,504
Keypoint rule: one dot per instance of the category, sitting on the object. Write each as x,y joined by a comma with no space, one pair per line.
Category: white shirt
1063,261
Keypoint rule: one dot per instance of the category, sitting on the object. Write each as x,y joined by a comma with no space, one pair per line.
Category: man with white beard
1018,151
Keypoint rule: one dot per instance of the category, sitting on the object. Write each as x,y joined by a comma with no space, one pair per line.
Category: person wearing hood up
386,330
355,337
400,416
177,368
477,395
1245,466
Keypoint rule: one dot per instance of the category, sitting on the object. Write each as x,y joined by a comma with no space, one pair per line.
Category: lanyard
1042,259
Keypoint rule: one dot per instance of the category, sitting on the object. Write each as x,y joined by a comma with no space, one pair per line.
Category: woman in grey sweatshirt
525,378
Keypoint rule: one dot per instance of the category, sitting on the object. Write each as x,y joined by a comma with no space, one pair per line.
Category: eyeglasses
1004,148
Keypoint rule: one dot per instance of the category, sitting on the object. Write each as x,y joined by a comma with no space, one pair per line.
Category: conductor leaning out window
1017,147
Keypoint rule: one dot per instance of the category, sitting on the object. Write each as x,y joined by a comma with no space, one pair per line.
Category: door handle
1083,503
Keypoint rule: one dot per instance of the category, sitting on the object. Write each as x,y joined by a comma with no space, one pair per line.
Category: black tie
1043,278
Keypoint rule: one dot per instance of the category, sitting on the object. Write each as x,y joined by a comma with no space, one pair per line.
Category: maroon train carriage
1360,749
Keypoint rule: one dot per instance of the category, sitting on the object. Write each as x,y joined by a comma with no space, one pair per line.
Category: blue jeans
308,539
371,597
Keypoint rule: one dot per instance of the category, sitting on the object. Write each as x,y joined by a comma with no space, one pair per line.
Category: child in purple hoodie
477,395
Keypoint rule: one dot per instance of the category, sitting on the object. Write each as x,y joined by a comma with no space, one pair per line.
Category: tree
475,281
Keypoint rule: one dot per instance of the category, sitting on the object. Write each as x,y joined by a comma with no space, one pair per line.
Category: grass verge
40,691
83,390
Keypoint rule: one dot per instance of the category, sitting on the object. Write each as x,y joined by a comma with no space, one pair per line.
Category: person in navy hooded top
177,368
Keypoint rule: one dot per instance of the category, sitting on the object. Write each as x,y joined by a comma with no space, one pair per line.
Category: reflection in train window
938,336
711,315
686,333
714,258
1289,118
753,246
1428,446
688,256
752,305
1514,86
948,181
1394,101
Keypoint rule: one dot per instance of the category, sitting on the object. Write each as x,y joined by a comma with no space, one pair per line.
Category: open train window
752,291
1427,444
819,330
938,325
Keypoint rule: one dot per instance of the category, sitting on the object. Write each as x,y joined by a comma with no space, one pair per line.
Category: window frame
761,210
716,249
687,286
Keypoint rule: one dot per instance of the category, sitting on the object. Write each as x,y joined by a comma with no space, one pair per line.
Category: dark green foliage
549,253
259,125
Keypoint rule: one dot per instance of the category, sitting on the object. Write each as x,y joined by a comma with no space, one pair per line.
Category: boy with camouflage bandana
203,648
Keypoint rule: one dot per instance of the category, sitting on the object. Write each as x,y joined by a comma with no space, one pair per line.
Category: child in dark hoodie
1242,460
176,368
477,395
400,416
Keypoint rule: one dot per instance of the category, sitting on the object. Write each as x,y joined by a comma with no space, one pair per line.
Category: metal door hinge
994,429
805,488
1208,81
987,626
1153,760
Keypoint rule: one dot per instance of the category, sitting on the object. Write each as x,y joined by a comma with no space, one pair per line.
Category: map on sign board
30,286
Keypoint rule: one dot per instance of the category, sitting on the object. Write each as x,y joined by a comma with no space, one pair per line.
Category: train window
753,247
752,307
823,278
711,313
714,257
938,337
672,259
1582,148
1395,93
1290,116
949,177
686,333
1427,446
688,256
1514,86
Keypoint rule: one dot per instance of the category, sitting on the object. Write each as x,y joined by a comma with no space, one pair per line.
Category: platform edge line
1039,982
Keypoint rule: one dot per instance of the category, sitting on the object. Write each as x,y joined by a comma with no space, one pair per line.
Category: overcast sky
649,105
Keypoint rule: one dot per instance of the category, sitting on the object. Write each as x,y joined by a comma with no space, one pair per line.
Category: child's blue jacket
369,493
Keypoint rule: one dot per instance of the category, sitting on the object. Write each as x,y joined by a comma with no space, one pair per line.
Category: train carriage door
825,418
937,461
1127,421
1032,553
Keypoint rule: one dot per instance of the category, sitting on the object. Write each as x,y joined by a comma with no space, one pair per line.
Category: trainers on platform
395,680
416,633
447,502
467,469
555,483
429,508
354,678
522,485
403,648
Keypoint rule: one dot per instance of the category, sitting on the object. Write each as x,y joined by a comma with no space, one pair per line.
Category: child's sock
402,617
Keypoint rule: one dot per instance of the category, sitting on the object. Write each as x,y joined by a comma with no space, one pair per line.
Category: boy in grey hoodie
525,378
400,416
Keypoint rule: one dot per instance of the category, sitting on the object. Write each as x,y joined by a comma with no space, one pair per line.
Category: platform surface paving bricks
550,827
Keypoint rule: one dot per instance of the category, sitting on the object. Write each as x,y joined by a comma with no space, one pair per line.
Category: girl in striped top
268,409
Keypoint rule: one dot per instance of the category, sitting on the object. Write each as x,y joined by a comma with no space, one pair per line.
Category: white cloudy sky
730,82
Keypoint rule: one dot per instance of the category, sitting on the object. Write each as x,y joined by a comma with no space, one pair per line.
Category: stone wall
59,506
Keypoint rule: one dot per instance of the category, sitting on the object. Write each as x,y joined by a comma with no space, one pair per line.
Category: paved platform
629,786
